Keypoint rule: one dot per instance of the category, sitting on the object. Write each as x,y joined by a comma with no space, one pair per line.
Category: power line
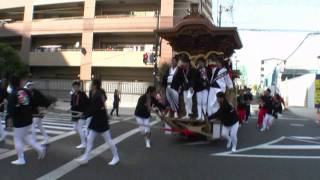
279,30
296,49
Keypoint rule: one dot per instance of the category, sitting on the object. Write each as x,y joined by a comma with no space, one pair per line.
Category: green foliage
10,62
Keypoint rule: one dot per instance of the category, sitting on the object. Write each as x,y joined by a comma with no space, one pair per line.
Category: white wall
299,91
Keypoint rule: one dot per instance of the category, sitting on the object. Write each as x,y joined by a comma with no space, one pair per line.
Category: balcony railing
99,59
58,58
118,59
129,14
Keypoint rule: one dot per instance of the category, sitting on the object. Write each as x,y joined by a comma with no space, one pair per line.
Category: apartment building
63,39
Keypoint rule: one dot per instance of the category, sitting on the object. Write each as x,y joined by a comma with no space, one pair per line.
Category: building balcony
57,26
77,25
125,24
118,59
11,29
59,58
99,59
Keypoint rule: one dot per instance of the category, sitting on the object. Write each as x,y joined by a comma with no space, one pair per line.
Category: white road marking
2,150
57,124
70,166
304,140
56,138
270,145
249,148
271,156
58,128
66,121
297,125
305,137
51,140
292,147
38,131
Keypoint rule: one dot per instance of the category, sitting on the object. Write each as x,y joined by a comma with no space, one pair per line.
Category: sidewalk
308,113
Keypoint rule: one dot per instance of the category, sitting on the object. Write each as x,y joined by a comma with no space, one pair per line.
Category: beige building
61,39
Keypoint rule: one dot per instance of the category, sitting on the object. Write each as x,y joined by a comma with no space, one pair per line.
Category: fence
60,88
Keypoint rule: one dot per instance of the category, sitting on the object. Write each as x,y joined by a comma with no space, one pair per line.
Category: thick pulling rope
184,131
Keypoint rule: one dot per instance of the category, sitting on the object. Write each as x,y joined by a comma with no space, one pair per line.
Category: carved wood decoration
195,34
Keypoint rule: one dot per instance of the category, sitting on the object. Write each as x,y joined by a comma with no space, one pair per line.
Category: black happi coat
268,104
142,109
19,107
241,102
227,114
200,83
176,80
188,78
213,79
116,100
80,103
99,121
38,100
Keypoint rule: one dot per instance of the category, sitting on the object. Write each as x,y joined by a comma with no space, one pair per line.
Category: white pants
187,102
107,137
202,101
173,98
78,127
267,121
22,136
144,125
37,122
213,104
2,131
88,121
230,134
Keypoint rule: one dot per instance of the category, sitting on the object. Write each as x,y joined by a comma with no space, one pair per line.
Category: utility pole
155,68
220,15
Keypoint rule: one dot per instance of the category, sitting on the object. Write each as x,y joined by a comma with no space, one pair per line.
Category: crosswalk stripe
57,124
58,121
49,132
53,139
57,127
10,141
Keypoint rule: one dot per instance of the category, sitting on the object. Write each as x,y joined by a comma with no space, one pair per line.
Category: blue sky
290,15
279,14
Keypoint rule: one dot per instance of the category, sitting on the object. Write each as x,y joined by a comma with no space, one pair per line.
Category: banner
317,91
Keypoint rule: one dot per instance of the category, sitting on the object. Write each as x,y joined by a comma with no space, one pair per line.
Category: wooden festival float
196,36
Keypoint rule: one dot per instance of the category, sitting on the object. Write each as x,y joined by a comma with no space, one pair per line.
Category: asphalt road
289,151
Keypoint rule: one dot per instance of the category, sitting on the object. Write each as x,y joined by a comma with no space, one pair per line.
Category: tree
10,62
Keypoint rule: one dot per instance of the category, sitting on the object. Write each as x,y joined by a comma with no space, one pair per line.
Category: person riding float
219,82
201,87
188,73
172,83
